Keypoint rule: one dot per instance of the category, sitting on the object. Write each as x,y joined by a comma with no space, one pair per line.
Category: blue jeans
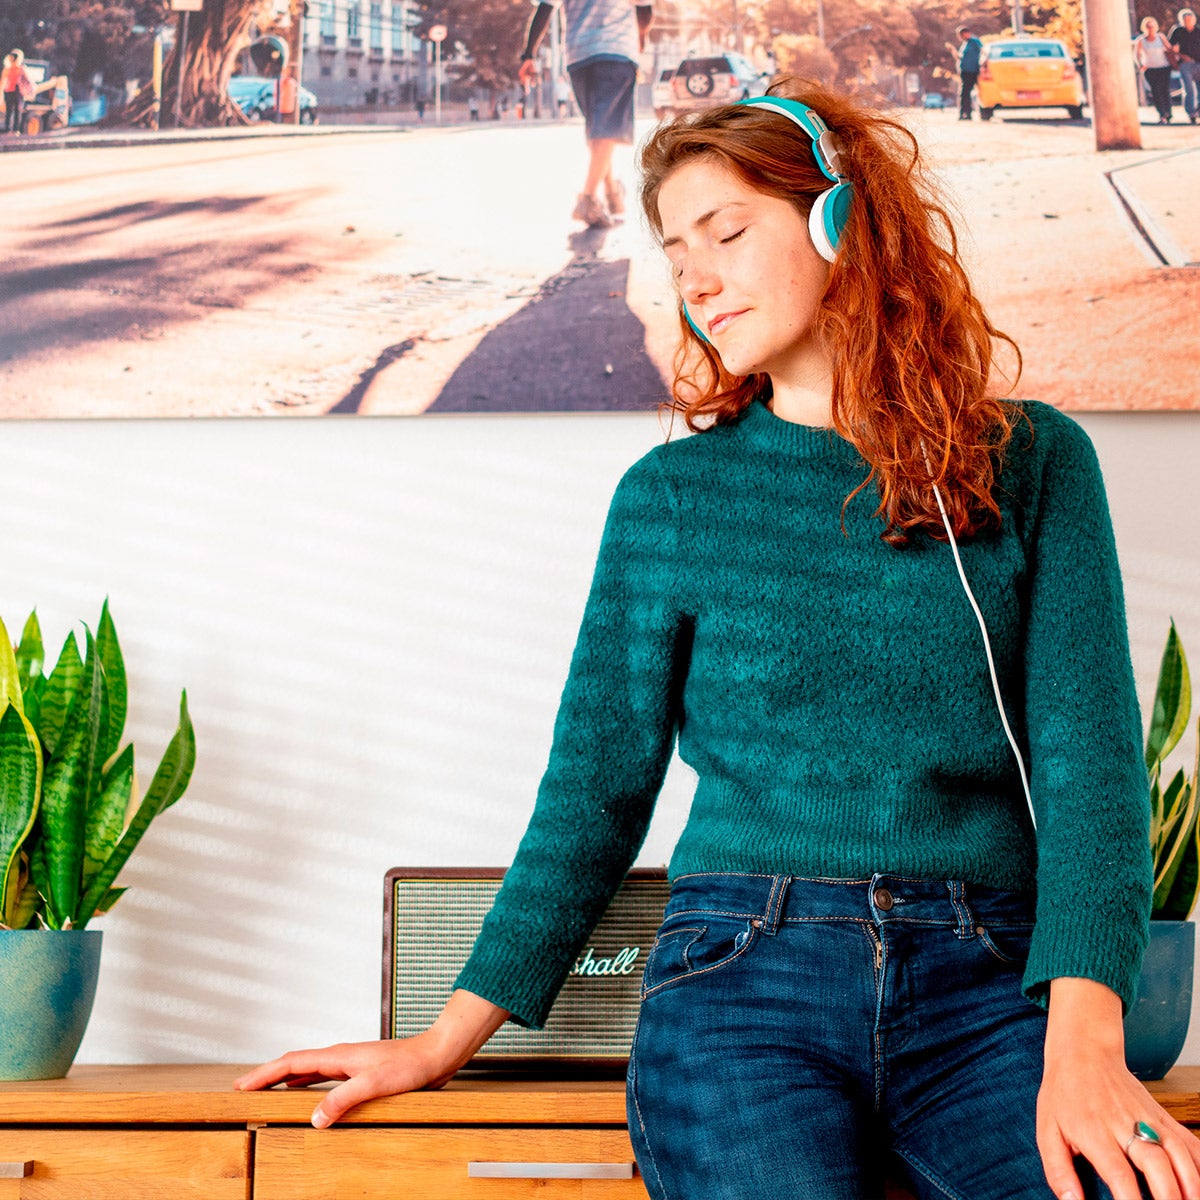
799,1038
1189,73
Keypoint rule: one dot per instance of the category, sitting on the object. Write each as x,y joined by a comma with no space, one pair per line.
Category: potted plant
1156,1026
70,816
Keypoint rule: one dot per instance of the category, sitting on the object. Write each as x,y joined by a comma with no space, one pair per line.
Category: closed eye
733,237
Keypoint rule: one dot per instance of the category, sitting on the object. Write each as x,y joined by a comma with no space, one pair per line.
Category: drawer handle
533,1170
16,1170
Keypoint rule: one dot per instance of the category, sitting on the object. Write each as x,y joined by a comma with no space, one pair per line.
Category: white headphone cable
987,645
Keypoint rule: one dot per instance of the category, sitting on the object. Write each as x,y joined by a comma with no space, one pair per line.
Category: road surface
439,270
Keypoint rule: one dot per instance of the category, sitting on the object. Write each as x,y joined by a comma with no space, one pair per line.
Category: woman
16,86
1153,54
861,912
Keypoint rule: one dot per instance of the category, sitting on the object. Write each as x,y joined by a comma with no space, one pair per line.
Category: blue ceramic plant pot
1157,1024
47,985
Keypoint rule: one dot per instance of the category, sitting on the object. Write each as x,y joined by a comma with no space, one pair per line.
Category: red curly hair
911,347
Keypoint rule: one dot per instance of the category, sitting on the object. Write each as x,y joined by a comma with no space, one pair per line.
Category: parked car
255,96
1029,72
660,93
933,100
718,79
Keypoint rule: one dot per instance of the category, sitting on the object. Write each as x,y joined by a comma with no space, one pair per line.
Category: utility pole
300,8
1111,79
821,21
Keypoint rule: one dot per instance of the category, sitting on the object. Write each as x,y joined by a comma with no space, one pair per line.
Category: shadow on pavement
59,289
575,347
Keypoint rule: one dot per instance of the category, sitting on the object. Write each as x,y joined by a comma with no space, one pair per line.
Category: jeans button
883,899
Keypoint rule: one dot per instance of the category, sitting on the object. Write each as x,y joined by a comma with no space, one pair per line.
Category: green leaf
106,816
30,652
109,650
10,676
169,783
1176,901
1180,837
60,691
71,774
33,699
20,782
1172,701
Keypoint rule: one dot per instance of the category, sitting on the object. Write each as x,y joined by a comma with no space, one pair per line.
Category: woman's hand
374,1069
1089,1105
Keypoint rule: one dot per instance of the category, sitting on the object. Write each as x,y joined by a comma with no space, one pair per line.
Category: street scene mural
386,207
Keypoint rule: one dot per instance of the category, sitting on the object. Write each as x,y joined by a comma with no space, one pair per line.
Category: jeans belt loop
774,913
962,910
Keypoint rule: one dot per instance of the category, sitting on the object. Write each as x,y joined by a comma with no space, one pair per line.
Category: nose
698,279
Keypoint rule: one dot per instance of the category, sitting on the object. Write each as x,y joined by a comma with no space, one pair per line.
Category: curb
102,141
1159,247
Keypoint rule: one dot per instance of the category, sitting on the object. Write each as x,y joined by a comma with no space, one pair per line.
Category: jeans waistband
775,900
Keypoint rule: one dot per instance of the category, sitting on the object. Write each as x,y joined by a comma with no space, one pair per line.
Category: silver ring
1143,1133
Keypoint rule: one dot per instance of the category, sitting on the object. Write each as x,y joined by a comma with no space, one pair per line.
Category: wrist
1085,1017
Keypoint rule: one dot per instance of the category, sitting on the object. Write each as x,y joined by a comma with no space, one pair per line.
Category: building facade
364,53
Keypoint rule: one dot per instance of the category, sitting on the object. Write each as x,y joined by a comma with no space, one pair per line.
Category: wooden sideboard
182,1133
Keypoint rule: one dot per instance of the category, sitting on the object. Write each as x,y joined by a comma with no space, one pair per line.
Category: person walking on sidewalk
604,40
17,88
1153,53
970,51
1185,37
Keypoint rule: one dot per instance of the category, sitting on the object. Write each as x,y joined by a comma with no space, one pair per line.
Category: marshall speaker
431,918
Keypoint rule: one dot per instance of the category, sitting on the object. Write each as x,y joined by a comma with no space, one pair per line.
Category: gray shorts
604,91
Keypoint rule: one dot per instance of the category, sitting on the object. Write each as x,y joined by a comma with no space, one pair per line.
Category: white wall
373,620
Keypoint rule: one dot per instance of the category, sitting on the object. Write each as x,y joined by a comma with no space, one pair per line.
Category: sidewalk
86,137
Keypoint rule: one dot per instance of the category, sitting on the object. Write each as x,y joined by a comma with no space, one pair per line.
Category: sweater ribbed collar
763,428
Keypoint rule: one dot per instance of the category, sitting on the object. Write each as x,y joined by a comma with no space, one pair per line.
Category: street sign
187,5
438,33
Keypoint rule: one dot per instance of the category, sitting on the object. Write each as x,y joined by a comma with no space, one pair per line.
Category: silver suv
719,79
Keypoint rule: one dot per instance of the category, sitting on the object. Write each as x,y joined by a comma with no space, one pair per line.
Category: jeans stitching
929,1175
703,970
640,1119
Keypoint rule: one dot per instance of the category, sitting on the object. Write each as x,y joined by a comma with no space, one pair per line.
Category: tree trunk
216,36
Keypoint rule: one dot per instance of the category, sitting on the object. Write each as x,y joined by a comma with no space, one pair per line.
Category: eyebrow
704,219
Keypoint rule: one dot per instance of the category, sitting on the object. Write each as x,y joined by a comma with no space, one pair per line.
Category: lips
722,321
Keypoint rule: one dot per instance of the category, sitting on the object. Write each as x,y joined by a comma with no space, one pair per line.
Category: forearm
538,25
645,18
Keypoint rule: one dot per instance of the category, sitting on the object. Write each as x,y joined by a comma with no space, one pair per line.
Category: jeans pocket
699,947
1007,943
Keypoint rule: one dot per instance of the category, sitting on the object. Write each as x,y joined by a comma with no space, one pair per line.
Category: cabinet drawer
436,1164
121,1164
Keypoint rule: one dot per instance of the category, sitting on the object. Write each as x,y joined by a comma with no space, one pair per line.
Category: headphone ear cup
687,316
828,218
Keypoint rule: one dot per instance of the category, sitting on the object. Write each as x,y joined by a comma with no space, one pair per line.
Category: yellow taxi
1028,72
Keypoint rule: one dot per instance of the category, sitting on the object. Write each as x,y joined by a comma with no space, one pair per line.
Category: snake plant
1174,830
70,814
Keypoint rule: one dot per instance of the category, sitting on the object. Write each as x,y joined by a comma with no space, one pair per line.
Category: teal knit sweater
832,694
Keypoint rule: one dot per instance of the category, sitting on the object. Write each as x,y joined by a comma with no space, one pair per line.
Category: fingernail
1070,1196
320,1121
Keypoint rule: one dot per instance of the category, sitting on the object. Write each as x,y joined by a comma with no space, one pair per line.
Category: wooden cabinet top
203,1094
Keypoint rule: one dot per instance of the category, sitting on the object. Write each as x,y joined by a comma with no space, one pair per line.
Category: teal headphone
831,210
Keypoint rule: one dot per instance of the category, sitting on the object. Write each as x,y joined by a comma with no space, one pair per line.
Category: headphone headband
824,144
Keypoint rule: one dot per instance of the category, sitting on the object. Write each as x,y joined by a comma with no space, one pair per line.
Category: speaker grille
431,921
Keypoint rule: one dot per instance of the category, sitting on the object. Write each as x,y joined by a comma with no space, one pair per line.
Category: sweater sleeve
1087,770
612,742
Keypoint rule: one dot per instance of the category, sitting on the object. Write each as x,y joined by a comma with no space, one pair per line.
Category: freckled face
746,268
